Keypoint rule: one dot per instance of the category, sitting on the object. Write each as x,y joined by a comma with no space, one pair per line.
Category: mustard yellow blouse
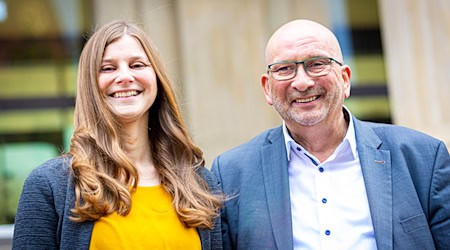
151,224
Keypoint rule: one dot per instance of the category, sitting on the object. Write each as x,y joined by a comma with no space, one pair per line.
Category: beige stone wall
416,36
221,49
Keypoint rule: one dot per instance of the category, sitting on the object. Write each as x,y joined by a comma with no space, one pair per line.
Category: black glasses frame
269,67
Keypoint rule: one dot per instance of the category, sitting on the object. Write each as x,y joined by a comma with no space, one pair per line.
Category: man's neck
322,139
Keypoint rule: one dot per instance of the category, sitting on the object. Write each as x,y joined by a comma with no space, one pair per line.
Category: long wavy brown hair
103,175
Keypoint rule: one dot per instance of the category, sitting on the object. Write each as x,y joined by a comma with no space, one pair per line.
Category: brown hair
103,175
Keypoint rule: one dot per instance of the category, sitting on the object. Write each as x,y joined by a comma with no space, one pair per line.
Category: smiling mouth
313,98
125,94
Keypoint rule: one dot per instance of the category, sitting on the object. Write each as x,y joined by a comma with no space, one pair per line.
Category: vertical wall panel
416,36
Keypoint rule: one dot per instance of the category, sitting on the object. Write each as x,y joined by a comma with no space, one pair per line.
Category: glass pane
41,42
366,60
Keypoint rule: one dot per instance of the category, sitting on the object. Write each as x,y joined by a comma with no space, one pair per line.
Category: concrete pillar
416,41
222,54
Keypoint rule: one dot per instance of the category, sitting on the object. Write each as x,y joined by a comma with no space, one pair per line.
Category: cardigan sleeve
39,209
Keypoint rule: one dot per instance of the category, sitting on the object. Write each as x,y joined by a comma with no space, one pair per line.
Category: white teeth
306,100
125,94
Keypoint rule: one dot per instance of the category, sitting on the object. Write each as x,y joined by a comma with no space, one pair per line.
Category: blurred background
214,50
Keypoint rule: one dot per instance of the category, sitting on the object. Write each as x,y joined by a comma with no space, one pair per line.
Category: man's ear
266,87
346,76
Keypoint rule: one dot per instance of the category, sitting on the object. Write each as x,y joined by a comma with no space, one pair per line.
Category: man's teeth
125,94
306,100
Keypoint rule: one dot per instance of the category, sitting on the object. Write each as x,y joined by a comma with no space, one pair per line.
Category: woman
133,178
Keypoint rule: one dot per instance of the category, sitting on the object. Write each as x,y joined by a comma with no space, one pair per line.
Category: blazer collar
276,181
377,172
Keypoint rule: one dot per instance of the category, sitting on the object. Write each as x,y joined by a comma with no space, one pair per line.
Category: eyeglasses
316,66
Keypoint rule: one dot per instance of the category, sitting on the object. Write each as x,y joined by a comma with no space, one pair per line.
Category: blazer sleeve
214,187
440,199
226,241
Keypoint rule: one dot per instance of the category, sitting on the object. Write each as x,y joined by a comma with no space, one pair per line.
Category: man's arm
226,241
440,199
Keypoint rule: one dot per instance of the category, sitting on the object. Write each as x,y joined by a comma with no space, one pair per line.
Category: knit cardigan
48,195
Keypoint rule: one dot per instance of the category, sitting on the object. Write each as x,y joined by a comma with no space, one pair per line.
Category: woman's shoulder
54,171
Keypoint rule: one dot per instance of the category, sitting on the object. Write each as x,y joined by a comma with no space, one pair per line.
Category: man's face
306,100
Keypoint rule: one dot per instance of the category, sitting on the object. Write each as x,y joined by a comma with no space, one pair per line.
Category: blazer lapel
377,173
276,180
205,238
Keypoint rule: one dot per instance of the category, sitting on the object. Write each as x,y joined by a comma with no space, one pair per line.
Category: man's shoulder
207,176
249,152
255,144
395,134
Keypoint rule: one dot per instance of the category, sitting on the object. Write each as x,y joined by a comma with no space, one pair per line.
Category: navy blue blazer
406,174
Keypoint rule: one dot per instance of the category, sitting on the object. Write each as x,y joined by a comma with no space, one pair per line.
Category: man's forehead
303,28
298,49
319,40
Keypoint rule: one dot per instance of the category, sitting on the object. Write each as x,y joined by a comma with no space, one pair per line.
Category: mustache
316,90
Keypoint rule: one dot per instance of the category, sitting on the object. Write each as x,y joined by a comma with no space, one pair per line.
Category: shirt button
324,200
327,232
299,149
321,169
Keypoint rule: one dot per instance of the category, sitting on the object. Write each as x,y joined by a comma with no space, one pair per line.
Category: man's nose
301,81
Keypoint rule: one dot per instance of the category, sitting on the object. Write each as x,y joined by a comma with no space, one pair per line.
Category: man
324,179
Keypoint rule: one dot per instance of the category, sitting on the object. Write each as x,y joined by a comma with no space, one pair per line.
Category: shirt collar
349,136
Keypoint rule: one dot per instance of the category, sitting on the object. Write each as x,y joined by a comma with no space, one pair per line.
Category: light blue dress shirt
329,204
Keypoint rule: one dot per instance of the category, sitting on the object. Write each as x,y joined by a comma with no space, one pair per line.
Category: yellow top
151,224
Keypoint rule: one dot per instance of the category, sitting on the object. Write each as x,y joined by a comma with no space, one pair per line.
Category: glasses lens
318,66
283,71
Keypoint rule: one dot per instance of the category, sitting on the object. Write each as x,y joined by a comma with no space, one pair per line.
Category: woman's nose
124,75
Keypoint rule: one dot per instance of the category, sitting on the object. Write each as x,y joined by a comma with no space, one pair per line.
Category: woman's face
127,79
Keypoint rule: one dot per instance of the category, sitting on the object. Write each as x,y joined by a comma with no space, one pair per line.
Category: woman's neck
135,139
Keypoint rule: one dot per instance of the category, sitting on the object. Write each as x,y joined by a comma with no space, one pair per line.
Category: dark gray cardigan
48,195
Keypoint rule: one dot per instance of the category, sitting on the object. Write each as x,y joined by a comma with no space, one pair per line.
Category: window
363,51
41,42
